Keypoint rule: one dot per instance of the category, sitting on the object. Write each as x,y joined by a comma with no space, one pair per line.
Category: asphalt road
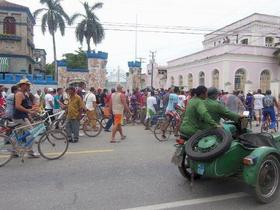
134,173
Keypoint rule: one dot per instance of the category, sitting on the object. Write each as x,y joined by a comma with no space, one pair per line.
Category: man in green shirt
216,109
197,116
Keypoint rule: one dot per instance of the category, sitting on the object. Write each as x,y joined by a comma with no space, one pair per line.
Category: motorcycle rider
197,116
216,109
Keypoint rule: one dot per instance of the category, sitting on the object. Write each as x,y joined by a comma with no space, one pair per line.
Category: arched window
190,81
181,82
265,80
215,78
201,78
172,81
269,41
239,80
9,25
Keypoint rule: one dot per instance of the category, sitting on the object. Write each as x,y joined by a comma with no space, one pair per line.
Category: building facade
93,76
237,56
16,39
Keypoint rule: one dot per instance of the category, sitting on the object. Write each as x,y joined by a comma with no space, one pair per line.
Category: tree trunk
54,55
88,45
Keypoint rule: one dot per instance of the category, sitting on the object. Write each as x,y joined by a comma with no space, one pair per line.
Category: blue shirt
172,102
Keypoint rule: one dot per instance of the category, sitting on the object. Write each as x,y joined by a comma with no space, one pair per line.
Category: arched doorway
215,78
190,81
239,80
265,80
172,80
181,81
201,78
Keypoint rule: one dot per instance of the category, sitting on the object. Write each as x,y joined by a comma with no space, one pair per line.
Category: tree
90,26
54,18
76,60
50,69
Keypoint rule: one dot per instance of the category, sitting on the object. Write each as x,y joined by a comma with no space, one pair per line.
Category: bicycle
49,147
88,126
267,122
163,131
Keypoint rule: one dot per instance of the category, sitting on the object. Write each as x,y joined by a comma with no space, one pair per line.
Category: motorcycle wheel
185,169
208,149
268,180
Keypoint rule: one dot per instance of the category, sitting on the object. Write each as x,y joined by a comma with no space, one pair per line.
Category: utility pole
136,36
152,71
118,75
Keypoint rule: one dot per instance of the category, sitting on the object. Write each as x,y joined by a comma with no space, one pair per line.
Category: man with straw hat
23,108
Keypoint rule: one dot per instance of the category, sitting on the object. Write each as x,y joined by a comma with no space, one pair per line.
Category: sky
197,16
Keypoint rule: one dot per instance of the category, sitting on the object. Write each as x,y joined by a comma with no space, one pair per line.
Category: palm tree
54,18
90,26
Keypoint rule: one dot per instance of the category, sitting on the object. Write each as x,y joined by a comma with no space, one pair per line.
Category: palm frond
75,16
61,24
80,31
98,5
44,23
62,13
38,11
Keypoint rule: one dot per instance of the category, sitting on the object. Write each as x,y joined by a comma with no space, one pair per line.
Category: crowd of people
191,110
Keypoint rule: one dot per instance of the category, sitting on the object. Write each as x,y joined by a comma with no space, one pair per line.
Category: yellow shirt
74,107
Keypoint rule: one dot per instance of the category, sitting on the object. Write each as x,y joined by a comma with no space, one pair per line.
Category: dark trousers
109,123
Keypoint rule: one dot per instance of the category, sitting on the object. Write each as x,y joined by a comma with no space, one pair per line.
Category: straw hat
24,81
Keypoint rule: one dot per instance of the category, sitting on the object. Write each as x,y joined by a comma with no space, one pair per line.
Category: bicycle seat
13,125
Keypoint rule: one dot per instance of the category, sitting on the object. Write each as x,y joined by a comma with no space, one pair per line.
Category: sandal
123,138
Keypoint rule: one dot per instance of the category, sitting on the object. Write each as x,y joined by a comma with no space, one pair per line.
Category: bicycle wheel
264,127
90,130
60,125
6,150
104,122
158,132
52,148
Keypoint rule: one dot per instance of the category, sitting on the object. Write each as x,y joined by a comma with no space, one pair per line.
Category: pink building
237,56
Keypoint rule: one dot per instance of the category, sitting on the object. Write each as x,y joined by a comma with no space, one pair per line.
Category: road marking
190,202
84,152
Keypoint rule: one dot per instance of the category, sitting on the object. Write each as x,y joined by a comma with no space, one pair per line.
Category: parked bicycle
19,142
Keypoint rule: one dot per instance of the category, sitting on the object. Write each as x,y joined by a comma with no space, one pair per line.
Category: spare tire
208,144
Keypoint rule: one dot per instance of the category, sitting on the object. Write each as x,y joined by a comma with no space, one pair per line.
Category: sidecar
232,150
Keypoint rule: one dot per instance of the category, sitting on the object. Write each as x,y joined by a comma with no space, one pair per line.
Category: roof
254,14
5,5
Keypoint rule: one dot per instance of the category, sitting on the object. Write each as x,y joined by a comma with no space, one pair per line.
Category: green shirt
196,117
218,111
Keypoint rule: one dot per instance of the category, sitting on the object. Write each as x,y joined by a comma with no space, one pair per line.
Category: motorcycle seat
254,140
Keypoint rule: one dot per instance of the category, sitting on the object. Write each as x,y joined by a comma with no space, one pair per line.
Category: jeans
269,111
73,127
109,123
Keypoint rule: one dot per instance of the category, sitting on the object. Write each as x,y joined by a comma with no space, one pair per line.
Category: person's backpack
268,101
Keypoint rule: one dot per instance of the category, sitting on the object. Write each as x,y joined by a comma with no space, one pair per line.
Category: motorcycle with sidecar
233,150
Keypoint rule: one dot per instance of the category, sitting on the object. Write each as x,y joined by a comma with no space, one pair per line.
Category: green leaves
54,16
90,27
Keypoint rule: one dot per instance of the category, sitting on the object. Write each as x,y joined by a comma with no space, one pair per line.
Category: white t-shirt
182,99
49,98
151,101
89,99
258,102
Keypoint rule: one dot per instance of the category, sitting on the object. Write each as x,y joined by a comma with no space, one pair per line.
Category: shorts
118,119
258,113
